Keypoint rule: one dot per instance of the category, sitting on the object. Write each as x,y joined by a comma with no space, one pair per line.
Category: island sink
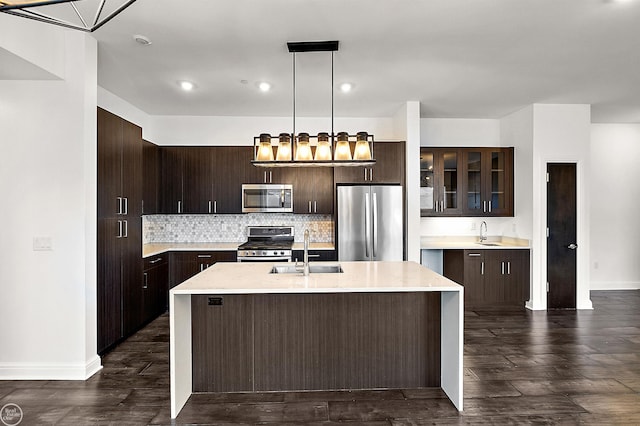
313,269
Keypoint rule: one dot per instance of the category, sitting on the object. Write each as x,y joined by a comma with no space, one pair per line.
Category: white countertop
472,243
254,278
159,248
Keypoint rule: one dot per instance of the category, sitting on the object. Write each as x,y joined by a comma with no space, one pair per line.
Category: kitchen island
375,325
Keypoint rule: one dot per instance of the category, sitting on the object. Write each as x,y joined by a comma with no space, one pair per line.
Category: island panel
316,341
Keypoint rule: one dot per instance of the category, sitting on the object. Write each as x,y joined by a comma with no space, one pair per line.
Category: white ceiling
459,58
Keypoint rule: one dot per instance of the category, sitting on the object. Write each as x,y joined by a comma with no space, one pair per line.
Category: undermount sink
313,269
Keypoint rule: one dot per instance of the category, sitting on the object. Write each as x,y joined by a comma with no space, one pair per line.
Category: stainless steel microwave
267,198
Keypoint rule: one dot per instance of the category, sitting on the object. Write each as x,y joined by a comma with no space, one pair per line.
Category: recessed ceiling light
264,86
186,85
346,87
143,40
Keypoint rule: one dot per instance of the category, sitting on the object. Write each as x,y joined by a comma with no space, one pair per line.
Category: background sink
313,269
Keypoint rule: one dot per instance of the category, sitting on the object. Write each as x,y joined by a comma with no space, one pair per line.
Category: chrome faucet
305,268
483,236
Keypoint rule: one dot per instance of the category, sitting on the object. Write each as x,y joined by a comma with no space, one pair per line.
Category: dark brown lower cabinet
280,342
491,278
155,287
315,255
186,264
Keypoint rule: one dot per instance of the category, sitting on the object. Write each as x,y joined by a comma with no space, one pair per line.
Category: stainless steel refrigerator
370,222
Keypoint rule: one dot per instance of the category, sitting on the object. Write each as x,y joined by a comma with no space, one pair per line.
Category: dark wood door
150,177
197,179
171,187
109,291
389,167
561,243
474,273
323,190
228,180
109,174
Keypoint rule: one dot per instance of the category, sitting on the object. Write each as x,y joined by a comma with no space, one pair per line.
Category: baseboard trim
54,371
615,285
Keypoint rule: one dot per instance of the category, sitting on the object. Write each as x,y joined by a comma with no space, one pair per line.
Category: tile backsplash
230,227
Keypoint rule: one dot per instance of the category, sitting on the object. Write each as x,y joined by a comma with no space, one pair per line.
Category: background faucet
483,235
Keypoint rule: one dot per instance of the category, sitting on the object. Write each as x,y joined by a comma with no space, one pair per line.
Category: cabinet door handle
145,281
508,268
119,201
270,177
264,180
482,268
126,205
371,174
313,255
126,229
119,229
155,261
365,174
489,206
215,206
201,267
179,206
204,256
315,207
209,206
309,206
484,206
502,266
474,254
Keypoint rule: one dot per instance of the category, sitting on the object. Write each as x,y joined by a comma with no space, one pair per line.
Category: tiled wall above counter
230,228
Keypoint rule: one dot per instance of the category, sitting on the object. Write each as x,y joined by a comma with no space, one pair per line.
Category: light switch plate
42,244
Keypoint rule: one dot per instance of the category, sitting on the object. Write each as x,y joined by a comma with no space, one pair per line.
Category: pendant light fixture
85,15
325,149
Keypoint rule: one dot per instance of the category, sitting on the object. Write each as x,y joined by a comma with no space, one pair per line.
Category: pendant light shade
303,148
329,149
362,151
265,152
323,150
284,147
343,150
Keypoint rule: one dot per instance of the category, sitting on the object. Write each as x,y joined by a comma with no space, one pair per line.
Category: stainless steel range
267,244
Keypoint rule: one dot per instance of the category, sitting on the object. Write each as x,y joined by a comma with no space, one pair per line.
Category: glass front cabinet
440,183
466,181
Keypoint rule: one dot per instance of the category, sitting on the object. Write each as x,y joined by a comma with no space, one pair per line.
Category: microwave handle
282,198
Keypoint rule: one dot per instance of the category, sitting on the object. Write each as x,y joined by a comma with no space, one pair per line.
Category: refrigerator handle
367,225
375,224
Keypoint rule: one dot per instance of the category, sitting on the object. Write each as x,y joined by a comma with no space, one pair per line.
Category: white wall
48,181
218,130
122,108
561,133
615,195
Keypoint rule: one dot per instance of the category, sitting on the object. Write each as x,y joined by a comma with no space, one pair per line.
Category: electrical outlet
42,244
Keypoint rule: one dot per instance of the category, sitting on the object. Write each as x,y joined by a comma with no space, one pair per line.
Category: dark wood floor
559,367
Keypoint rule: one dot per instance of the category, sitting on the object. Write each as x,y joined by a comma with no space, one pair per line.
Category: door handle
215,206
309,206
119,199
145,282
572,246
119,229
315,207
367,225
210,206
375,224
482,268
126,229
126,205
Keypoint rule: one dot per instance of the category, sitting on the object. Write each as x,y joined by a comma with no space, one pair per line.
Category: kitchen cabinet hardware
145,280
155,261
482,268
126,229
204,256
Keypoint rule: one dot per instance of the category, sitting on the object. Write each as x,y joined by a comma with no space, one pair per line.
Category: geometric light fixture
83,15
304,150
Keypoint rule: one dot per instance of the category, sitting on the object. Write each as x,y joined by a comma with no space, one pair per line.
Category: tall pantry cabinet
119,292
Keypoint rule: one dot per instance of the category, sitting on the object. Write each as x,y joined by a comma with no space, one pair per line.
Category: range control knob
282,253
253,253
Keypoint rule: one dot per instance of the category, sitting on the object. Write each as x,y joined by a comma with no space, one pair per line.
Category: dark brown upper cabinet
440,182
150,178
466,182
389,166
488,181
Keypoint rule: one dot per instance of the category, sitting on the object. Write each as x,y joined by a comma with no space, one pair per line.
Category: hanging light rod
54,12
303,150
312,46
